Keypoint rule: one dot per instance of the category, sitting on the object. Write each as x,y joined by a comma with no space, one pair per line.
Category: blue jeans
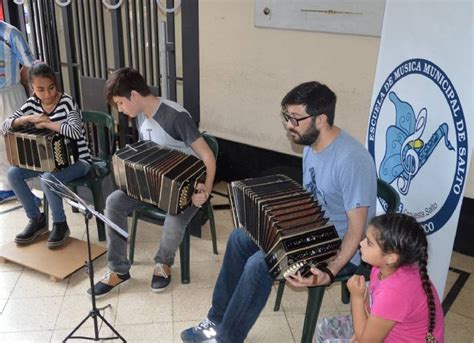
242,288
117,207
18,176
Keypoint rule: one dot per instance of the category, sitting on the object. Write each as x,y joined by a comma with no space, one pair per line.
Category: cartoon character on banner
405,151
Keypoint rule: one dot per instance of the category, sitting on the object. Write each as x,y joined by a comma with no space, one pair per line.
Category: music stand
74,200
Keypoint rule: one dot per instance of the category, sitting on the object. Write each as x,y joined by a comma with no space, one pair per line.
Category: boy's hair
122,82
41,69
316,97
401,234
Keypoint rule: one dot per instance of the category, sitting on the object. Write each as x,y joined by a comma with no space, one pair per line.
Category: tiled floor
35,309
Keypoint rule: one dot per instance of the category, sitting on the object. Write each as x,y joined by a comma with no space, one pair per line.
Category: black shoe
58,235
108,282
161,277
33,230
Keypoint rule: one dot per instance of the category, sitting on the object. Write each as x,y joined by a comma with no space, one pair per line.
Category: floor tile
3,303
203,275
294,302
76,307
32,314
270,329
26,337
296,322
32,284
458,329
201,251
335,293
470,282
463,262
8,281
199,300
7,266
464,303
144,308
144,333
145,252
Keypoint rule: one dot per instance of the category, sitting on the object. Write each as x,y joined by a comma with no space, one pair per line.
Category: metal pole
163,61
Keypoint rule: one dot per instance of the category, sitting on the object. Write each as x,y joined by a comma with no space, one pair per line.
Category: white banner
421,115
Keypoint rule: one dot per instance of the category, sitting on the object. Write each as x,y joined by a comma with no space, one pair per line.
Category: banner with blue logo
420,129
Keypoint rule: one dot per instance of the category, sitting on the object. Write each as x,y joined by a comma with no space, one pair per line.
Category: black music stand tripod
75,201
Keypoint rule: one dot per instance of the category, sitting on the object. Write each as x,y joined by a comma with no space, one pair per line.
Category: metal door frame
58,46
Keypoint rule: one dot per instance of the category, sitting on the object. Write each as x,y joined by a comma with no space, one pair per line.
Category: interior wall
245,71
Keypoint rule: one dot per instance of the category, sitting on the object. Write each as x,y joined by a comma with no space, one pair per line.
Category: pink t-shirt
400,297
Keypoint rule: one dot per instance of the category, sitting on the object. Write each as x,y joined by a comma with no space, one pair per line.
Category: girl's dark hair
401,234
41,69
122,82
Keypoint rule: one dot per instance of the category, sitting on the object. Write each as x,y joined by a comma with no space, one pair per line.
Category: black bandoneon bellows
285,221
40,149
156,175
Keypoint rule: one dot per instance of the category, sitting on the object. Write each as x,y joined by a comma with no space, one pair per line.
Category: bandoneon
40,149
285,221
156,175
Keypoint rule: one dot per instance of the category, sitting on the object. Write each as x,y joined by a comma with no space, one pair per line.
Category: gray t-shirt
171,126
342,177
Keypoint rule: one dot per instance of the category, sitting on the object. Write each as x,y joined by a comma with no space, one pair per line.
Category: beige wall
245,71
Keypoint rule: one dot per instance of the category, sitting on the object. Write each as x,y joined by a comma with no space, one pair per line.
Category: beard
307,138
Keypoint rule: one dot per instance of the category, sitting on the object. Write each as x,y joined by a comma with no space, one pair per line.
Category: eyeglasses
294,121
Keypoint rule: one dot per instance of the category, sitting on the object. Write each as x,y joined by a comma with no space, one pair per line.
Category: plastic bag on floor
336,329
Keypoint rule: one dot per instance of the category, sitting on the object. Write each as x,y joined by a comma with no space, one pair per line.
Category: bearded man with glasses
340,173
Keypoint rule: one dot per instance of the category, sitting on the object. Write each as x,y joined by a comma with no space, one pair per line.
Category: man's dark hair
122,82
316,97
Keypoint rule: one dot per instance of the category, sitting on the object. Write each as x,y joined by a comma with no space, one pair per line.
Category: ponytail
425,280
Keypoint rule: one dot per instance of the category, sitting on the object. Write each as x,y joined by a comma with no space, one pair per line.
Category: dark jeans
18,176
242,288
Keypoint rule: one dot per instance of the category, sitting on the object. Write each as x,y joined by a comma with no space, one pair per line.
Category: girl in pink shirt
401,304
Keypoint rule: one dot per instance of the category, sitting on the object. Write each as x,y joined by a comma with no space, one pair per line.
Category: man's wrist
329,273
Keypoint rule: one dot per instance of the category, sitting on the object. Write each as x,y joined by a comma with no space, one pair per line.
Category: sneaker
161,277
34,229
206,332
58,235
108,282
7,196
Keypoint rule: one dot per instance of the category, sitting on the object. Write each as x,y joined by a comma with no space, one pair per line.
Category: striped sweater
66,113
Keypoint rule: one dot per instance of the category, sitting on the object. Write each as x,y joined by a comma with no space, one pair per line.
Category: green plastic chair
100,133
315,294
158,215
